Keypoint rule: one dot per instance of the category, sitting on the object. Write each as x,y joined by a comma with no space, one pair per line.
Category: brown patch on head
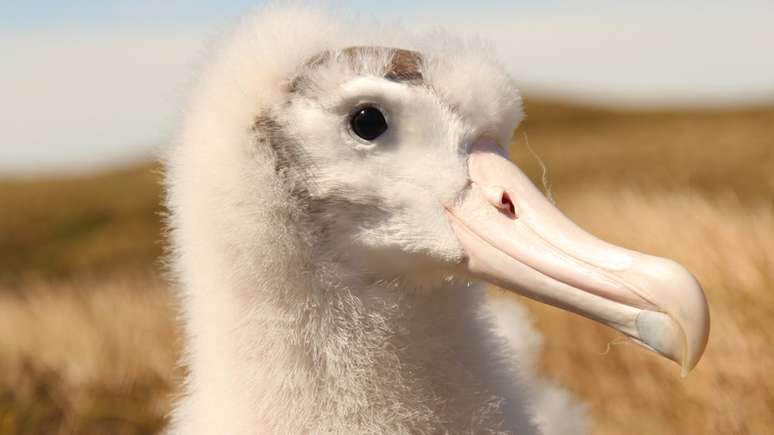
406,66
401,65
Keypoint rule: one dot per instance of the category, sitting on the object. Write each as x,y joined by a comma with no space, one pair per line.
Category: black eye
368,123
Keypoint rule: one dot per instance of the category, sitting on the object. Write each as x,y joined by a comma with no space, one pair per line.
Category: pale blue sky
87,83
28,14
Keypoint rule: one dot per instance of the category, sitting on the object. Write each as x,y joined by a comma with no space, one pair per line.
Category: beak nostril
498,197
507,203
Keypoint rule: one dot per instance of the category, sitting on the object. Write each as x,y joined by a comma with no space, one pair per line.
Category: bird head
378,154
393,165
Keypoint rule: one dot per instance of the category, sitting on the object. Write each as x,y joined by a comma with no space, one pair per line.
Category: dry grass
88,357
96,224
709,152
87,335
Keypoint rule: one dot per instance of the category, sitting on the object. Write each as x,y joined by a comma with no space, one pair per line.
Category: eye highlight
368,122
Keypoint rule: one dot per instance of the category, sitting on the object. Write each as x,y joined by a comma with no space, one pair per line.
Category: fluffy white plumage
318,288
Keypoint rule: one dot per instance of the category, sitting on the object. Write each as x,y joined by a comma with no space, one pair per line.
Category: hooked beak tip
680,330
662,334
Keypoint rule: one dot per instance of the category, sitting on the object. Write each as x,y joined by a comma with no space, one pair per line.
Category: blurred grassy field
87,333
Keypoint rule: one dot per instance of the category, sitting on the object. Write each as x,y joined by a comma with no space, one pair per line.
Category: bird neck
320,356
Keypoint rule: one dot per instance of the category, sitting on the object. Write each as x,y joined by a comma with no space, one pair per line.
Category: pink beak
515,238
